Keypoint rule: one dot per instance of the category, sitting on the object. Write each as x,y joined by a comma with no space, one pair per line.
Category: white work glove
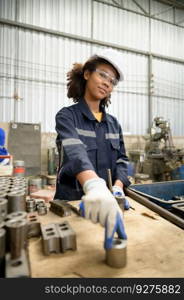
100,206
118,192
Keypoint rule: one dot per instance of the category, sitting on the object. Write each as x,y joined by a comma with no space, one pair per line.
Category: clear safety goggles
104,75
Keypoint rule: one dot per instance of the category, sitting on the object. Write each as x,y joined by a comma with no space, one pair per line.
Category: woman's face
100,82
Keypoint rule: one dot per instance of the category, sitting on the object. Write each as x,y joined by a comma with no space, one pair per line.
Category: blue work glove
118,192
99,205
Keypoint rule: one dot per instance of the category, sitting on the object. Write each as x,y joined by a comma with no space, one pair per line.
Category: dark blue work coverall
88,145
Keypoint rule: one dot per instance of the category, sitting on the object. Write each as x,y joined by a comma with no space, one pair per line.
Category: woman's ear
86,74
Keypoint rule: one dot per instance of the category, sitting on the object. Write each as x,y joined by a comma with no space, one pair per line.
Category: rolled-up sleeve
122,162
75,158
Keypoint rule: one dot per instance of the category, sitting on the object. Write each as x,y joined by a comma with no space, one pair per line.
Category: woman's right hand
101,206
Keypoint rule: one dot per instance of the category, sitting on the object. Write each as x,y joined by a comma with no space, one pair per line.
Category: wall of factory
168,93
33,65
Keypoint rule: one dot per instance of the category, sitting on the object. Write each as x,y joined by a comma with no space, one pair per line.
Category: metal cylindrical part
30,205
17,236
35,184
16,202
116,256
40,202
3,208
2,252
42,209
19,168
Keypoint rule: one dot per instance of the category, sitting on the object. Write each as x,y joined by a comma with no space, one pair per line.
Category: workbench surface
155,248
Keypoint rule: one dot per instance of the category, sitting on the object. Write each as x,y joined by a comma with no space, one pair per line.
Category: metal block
17,268
59,208
67,236
50,238
116,256
34,226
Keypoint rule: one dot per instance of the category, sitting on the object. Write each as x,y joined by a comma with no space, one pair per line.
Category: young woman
91,142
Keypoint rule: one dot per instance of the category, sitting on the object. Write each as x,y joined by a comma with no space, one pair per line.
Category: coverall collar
86,111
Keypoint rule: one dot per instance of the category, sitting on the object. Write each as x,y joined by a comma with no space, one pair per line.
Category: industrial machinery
161,156
160,160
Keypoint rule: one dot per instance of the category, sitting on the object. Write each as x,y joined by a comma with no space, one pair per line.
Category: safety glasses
104,75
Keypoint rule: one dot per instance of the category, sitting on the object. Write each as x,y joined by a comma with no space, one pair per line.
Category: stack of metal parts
33,205
13,227
15,190
58,238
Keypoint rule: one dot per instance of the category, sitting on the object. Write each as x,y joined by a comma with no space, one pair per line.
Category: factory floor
155,248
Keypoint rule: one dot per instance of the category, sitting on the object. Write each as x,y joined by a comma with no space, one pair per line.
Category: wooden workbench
155,248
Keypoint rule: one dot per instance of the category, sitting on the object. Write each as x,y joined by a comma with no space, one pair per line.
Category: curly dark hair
76,82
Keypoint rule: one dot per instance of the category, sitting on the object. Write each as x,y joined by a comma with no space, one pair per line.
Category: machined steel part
16,202
67,237
16,236
18,267
3,208
2,252
116,256
60,208
50,239
30,205
35,184
42,209
34,226
18,215
39,202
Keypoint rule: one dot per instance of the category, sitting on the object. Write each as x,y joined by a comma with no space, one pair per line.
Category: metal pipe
109,179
